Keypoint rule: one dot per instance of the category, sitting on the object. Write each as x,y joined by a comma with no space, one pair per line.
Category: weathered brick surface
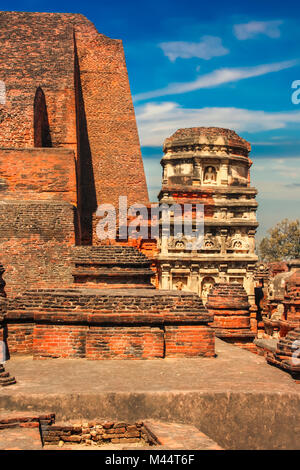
22,431
286,355
233,321
139,342
108,324
5,378
59,341
93,432
20,338
70,89
189,341
35,243
111,266
38,173
69,143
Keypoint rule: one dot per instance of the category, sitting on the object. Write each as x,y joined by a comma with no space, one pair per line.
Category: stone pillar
197,173
164,242
194,280
249,284
223,233
251,237
165,276
223,272
224,173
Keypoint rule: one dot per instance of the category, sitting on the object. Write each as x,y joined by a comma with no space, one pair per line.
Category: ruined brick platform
111,267
32,431
236,399
108,324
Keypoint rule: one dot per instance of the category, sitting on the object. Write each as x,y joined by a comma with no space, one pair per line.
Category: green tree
283,242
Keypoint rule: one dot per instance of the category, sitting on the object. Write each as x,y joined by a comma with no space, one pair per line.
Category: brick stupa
234,319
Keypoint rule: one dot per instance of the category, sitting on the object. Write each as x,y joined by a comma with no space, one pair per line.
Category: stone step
7,381
20,439
178,436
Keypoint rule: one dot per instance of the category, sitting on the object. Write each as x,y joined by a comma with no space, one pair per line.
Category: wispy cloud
156,121
251,29
293,185
216,78
207,48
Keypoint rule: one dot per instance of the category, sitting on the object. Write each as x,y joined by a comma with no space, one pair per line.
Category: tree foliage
283,242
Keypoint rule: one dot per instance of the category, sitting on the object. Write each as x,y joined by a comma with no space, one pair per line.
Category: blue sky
217,63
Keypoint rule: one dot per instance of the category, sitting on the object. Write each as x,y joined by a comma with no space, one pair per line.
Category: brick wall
35,243
38,173
142,324
59,341
20,338
140,342
67,86
37,51
189,341
94,432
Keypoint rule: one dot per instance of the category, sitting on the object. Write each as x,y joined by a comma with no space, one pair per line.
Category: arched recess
42,136
206,285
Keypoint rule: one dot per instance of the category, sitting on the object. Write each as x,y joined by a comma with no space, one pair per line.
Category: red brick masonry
21,431
108,324
234,320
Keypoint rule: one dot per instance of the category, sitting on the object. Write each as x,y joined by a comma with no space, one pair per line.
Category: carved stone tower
210,166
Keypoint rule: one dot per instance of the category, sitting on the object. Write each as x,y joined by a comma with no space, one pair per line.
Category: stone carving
207,284
177,244
179,285
210,243
210,175
236,243
228,230
238,175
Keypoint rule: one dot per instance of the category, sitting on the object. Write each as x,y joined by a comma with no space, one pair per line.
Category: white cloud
251,29
277,178
157,121
208,47
216,78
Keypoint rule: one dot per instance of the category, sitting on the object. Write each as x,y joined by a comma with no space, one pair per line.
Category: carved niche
206,285
210,243
237,243
210,175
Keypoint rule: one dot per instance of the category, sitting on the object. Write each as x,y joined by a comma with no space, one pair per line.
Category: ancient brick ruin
279,340
63,119
69,142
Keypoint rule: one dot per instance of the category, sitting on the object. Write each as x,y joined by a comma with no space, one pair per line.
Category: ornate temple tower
210,166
